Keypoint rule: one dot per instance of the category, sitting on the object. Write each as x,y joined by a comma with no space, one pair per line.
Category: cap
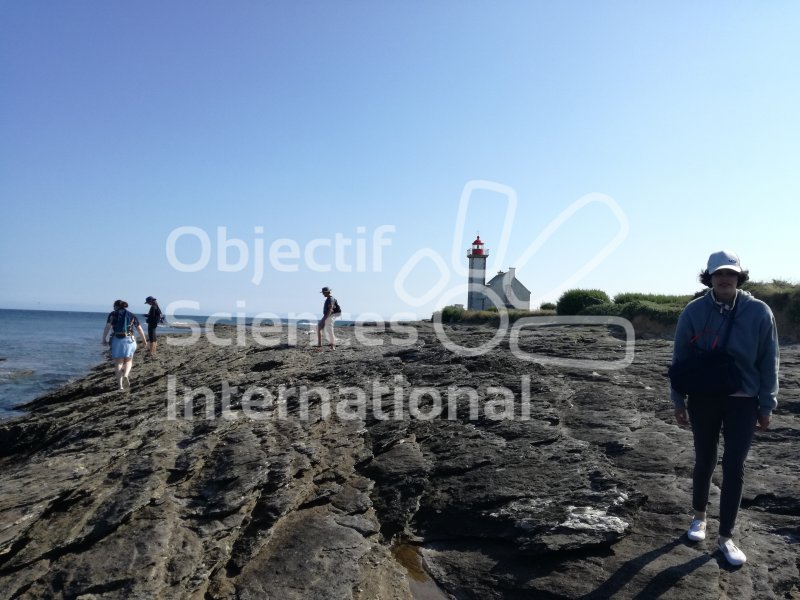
724,259
149,299
326,289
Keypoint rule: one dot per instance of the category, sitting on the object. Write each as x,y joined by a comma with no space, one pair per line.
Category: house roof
501,274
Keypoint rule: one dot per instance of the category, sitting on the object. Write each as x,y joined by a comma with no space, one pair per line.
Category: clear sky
337,141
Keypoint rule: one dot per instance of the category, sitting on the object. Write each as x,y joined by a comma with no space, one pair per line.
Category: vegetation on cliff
650,313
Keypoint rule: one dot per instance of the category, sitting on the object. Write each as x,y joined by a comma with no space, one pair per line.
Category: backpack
121,323
337,310
159,318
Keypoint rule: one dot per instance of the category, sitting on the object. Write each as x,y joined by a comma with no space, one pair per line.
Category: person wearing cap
747,325
326,322
153,319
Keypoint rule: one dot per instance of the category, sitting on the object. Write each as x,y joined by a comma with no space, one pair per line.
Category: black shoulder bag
709,373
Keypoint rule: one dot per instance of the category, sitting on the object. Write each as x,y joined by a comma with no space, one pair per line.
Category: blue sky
294,125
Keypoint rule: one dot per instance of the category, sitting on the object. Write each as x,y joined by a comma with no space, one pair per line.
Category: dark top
132,320
154,316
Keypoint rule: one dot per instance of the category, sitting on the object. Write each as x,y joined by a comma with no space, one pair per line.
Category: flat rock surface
392,468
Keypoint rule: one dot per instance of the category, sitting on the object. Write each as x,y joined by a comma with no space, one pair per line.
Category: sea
41,350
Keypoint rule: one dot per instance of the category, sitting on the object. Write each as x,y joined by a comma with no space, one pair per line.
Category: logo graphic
443,296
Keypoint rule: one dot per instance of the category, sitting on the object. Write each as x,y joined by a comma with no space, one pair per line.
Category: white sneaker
697,531
732,554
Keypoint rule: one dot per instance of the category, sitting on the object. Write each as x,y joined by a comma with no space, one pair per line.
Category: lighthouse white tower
476,299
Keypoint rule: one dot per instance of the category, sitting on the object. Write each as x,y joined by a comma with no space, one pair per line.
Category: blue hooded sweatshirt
752,341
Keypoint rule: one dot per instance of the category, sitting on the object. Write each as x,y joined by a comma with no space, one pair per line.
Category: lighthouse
476,281
503,291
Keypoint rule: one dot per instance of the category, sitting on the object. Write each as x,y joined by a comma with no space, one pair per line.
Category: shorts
123,347
151,333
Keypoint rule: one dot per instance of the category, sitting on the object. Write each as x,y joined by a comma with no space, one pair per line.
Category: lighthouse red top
477,247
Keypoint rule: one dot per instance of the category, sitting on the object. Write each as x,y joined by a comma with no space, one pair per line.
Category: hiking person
330,312
122,322
728,320
154,318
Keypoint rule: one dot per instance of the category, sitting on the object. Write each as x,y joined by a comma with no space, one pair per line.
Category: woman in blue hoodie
750,336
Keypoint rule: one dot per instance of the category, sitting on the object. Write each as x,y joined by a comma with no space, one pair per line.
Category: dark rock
505,474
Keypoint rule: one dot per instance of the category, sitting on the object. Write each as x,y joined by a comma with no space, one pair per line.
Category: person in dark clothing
750,336
153,320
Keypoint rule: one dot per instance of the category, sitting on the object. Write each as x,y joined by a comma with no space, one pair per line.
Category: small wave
180,324
16,374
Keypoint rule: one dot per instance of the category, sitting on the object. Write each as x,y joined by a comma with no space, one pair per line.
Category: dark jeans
736,417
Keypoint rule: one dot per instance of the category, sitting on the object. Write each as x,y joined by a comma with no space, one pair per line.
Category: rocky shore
392,468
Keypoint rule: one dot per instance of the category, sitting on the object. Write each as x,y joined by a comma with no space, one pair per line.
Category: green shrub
481,316
493,316
666,314
608,309
762,289
793,309
781,296
573,302
777,301
457,314
653,298
452,314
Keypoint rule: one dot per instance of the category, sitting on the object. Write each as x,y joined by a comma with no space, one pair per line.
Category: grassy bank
651,314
